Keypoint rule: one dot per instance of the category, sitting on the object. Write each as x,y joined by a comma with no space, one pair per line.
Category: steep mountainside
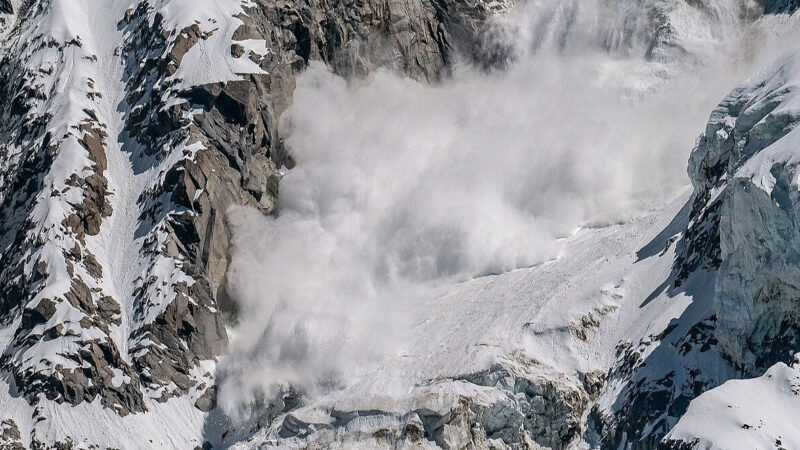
745,174
130,128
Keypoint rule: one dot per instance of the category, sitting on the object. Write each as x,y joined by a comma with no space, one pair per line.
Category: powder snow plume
401,187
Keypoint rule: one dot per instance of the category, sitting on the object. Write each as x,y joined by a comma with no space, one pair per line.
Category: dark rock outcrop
780,6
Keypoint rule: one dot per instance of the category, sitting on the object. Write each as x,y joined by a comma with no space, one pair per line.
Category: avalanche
484,236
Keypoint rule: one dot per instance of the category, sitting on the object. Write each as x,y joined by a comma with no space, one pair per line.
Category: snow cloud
402,188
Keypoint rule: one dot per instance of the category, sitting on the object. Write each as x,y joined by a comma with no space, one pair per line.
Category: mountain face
744,163
737,242
120,159
130,129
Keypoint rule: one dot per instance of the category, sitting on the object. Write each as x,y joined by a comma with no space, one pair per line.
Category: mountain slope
513,359
131,128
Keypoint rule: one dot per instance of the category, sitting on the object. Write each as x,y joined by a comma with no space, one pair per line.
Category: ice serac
745,172
509,405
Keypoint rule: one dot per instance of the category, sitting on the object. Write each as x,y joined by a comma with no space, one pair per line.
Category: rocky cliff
744,172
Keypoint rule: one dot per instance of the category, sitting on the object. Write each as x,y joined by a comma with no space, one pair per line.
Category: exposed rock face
779,6
50,283
418,37
112,211
10,437
653,382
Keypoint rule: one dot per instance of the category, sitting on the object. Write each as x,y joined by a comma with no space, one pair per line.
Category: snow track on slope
116,244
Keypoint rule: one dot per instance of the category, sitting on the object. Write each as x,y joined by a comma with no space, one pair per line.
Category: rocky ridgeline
55,196
743,171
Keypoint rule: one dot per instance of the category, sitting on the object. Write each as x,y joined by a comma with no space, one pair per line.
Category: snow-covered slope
517,357
129,128
754,413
